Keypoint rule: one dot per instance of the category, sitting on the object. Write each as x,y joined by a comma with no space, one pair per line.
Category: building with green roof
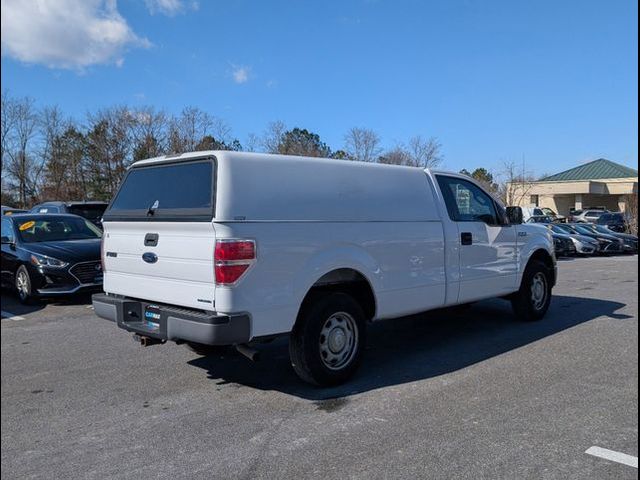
597,184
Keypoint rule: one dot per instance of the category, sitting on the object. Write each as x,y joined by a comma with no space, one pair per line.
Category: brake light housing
233,257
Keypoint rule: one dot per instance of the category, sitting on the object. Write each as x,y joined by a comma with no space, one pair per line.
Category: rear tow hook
147,341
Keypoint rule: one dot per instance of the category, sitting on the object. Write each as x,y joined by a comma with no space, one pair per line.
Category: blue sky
553,82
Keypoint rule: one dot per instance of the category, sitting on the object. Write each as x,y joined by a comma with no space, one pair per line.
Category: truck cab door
488,244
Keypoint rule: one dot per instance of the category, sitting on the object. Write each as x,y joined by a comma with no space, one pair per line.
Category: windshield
539,219
584,230
567,228
594,213
166,191
602,229
56,229
90,212
549,212
611,218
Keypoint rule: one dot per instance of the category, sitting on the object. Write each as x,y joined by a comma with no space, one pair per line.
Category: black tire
23,286
527,302
327,342
208,350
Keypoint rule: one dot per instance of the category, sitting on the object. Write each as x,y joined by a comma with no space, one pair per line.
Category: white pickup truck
225,248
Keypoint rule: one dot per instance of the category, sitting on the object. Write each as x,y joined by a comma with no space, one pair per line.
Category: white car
588,216
528,212
229,248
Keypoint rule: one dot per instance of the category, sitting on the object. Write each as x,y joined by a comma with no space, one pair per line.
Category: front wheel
328,339
532,301
23,285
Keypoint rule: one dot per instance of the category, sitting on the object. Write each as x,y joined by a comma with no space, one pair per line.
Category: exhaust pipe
145,341
251,353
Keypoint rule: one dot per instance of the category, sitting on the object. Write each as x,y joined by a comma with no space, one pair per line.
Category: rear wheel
23,285
328,339
532,301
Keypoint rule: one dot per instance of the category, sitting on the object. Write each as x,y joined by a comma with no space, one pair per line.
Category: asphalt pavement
449,394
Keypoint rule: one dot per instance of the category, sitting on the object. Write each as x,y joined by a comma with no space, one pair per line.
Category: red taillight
231,250
232,258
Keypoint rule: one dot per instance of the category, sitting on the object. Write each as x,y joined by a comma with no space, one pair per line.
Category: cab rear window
180,191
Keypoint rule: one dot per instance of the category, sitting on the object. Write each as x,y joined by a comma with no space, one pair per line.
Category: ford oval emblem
150,257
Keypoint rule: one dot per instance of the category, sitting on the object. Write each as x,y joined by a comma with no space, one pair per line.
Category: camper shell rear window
181,191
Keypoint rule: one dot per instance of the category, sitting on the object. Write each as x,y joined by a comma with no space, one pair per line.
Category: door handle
466,238
151,240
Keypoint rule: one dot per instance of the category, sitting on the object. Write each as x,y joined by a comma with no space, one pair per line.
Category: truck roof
231,154
266,187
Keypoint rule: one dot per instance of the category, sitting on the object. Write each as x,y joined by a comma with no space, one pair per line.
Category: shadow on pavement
414,348
10,302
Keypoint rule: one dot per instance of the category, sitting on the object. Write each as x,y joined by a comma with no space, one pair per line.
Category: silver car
584,245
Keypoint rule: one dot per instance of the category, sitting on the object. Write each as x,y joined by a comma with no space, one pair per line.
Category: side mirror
514,214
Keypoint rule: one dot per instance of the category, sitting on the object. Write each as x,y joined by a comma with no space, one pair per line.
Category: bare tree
108,146
362,144
22,165
419,152
425,152
397,156
188,130
7,111
252,143
149,131
54,162
632,212
516,184
221,130
273,135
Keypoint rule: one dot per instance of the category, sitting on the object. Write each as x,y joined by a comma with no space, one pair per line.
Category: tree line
47,155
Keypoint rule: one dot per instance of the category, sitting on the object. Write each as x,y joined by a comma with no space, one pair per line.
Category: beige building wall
563,196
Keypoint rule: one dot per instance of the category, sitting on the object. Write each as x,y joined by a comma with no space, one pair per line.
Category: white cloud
170,7
69,34
241,74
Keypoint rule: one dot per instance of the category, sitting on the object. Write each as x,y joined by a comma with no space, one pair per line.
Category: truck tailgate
177,268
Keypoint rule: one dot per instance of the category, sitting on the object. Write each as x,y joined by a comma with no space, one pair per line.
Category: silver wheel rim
539,291
338,341
22,284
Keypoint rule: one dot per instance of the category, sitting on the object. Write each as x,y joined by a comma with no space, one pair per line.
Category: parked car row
92,211
588,239
616,221
6,210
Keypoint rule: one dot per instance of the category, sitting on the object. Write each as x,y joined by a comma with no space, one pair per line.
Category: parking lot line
613,456
10,316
